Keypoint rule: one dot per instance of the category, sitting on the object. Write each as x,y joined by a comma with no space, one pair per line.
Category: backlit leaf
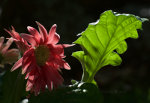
104,40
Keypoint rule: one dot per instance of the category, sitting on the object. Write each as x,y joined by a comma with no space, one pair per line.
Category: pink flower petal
52,32
67,45
29,84
29,38
17,64
25,66
66,66
53,76
22,46
43,31
9,42
39,84
58,79
59,61
55,39
15,35
59,49
28,54
27,59
31,67
31,80
56,49
35,33
27,75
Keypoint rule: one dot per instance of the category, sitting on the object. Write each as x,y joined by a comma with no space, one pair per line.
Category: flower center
42,54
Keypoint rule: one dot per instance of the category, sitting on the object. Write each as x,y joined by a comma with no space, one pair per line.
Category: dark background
128,82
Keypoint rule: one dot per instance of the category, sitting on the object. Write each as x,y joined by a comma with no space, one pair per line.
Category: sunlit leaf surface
104,40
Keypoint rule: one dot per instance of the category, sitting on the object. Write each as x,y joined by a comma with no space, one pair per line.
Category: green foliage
104,40
77,93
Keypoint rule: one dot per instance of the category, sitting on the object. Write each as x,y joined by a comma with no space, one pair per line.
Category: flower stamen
42,54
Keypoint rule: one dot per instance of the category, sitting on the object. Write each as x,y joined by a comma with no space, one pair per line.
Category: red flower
43,59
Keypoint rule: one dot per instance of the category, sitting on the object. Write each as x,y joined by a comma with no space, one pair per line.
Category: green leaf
79,92
104,40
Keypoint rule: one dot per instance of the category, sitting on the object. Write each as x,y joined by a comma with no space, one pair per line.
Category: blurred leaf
76,93
104,40
12,87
